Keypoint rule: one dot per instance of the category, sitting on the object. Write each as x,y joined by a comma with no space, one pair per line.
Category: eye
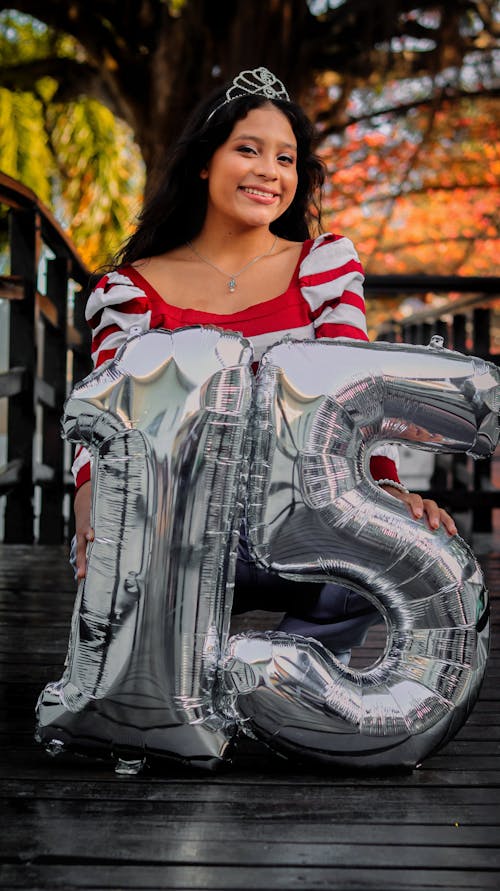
286,159
247,149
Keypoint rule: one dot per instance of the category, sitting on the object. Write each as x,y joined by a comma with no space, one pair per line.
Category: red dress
324,299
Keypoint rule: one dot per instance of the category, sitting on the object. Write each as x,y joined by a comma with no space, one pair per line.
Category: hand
423,507
83,529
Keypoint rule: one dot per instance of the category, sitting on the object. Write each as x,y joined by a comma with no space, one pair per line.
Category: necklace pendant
232,285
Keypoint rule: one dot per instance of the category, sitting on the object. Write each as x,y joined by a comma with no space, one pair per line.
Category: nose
267,166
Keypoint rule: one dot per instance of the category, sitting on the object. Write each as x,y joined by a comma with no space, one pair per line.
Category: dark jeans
336,616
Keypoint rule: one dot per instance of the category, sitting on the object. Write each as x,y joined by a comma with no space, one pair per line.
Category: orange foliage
420,194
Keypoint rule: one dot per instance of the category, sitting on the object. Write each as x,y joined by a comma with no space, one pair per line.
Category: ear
204,173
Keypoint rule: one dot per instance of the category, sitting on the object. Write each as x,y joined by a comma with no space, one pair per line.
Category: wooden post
441,329
482,519
461,474
424,333
23,225
82,362
54,373
410,334
459,332
481,333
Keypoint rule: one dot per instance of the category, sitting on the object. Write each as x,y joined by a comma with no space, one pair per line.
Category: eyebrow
288,145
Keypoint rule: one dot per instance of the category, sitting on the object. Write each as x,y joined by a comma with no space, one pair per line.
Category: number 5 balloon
168,421
313,514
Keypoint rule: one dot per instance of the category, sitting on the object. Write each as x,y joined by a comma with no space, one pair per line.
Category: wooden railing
470,324
48,348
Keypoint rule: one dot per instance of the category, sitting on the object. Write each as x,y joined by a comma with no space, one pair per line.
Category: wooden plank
44,476
56,777
249,877
20,197
70,777
47,308
11,287
12,382
11,474
260,823
476,285
117,845
45,393
66,828
75,338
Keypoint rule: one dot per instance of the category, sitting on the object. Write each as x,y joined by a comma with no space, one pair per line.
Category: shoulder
113,289
329,252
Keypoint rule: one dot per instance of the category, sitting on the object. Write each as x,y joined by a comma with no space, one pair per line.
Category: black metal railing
48,348
470,324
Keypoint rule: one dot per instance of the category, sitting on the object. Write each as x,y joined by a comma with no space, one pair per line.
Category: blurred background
404,96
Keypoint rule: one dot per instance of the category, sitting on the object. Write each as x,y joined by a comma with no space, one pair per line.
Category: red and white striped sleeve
114,307
331,280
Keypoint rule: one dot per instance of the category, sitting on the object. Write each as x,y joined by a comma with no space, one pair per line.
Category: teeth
258,192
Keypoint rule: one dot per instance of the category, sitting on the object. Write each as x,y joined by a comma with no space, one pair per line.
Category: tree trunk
200,50
151,65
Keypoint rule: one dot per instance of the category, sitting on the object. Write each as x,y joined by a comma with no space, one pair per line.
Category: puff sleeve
331,280
114,307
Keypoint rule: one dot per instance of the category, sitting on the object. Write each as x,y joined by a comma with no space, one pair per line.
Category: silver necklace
232,277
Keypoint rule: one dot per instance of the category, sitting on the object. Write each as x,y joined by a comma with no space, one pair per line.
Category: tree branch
431,242
447,95
74,79
107,30
352,198
410,164
485,12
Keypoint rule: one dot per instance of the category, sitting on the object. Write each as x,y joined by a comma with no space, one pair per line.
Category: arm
331,281
113,308
83,530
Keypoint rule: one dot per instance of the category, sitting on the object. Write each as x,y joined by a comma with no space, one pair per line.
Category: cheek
224,177
291,186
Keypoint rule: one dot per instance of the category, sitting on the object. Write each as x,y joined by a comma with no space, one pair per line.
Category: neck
233,246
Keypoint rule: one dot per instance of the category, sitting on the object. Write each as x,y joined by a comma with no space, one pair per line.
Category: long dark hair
175,211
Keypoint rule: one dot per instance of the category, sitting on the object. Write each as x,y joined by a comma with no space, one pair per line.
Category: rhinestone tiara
258,82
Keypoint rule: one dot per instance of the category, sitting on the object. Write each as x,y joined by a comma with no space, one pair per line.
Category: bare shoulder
289,246
171,274
288,253
163,261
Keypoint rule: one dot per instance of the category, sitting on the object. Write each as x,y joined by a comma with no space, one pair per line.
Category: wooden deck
261,824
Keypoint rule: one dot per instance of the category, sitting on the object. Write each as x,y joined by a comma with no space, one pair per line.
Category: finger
433,513
416,505
81,556
448,523
82,539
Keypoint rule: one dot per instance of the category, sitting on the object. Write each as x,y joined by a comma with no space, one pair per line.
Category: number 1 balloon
166,420
174,428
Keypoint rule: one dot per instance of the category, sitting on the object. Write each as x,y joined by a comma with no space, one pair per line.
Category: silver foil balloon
166,421
314,514
171,423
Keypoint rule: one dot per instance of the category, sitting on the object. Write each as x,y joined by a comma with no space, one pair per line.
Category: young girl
225,240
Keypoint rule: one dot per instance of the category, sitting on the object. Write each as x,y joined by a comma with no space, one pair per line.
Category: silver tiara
258,82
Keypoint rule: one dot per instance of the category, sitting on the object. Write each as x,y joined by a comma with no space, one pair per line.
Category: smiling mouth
259,192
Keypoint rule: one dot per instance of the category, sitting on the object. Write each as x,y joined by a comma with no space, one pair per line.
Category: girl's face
252,177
